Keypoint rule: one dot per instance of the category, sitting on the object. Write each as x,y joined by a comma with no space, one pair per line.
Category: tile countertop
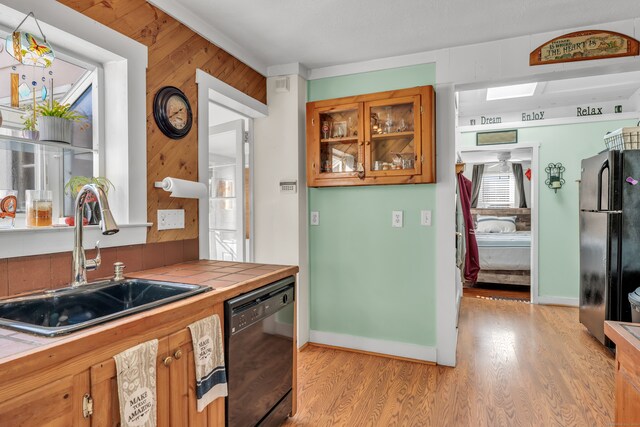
228,279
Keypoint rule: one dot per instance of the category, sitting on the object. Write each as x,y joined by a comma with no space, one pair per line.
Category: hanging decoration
554,176
24,90
28,49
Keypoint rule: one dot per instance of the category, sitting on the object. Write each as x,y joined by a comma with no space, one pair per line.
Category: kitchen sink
53,313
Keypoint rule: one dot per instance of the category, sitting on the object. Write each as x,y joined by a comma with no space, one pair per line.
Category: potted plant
30,127
91,209
55,121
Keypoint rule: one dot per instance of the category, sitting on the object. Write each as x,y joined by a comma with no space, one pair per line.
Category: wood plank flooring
483,290
518,365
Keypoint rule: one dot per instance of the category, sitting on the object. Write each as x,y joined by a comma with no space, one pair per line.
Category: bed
505,251
505,257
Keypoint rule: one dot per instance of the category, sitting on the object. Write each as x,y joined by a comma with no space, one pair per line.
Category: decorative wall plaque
584,46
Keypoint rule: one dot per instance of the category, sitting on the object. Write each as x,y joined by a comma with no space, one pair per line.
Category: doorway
225,166
503,207
229,183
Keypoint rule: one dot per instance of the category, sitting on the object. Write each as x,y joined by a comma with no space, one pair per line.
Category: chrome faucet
79,264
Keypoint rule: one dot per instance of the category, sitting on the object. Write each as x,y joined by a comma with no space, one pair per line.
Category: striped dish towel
136,374
208,354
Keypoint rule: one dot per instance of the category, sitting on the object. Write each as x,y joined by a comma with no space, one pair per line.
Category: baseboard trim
375,347
303,347
564,301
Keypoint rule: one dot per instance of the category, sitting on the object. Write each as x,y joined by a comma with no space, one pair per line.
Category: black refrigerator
609,238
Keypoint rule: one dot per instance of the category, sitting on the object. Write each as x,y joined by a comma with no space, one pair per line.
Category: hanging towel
208,354
136,371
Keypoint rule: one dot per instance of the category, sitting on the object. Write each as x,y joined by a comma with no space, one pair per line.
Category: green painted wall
559,262
374,81
366,278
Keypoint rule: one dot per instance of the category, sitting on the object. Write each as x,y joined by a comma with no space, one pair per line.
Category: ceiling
556,93
329,32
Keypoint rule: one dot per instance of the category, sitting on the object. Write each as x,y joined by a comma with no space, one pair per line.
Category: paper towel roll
183,188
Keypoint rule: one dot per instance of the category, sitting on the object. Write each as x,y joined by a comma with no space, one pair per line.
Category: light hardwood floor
497,291
518,365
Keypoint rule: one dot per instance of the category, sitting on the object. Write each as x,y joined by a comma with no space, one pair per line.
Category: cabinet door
183,387
56,404
104,391
627,390
393,137
334,140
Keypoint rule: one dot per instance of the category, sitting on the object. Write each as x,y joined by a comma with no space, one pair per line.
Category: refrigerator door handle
605,165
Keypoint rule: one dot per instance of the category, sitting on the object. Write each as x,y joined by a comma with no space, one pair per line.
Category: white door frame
210,90
535,188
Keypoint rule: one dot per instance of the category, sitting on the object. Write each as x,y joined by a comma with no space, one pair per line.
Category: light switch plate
396,219
170,219
425,218
315,218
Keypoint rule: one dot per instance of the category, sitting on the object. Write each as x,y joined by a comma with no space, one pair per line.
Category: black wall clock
172,112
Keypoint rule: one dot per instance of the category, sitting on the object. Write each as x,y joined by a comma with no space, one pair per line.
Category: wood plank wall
174,54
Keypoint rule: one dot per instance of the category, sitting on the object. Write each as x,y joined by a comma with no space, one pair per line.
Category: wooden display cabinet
380,138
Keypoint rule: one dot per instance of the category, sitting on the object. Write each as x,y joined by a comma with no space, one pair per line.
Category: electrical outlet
425,218
170,219
315,218
396,219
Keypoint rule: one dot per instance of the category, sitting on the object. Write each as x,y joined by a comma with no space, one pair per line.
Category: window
117,66
497,190
26,165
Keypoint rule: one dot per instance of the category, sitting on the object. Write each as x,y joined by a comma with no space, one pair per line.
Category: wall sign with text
584,46
540,115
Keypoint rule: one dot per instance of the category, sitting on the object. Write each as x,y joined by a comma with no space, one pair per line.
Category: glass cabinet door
338,136
392,140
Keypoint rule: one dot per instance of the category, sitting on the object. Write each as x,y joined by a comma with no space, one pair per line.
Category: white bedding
504,251
518,239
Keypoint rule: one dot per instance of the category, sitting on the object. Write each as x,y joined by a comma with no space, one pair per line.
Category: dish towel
136,372
208,354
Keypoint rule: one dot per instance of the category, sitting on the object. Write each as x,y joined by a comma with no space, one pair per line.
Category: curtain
517,172
476,179
472,258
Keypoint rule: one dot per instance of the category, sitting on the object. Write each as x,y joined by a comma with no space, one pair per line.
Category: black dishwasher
259,355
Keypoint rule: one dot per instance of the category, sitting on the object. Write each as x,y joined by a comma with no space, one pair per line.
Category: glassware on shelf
402,127
388,124
351,127
39,208
8,207
326,127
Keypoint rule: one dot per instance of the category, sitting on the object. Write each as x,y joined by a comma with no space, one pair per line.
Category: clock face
177,113
172,112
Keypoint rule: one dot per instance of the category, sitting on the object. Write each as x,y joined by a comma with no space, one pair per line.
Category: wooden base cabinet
83,391
626,336
380,138
175,388
53,404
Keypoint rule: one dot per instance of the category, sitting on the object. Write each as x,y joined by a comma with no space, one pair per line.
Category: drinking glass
39,208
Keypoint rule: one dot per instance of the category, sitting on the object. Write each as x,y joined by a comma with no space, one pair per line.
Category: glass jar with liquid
39,206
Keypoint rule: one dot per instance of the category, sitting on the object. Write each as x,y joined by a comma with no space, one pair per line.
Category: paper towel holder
182,188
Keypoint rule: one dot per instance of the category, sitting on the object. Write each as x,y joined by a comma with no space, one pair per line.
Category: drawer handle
167,361
178,354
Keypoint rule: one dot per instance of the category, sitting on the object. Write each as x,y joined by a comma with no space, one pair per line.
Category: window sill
37,241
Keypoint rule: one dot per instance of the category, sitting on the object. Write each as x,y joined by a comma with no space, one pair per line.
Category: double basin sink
53,313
